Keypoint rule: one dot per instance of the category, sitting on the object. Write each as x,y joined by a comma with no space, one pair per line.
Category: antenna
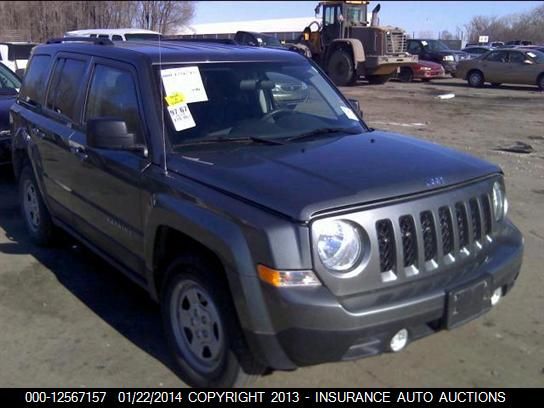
163,133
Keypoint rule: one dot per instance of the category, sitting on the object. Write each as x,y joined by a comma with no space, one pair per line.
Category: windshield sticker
349,113
185,80
181,116
424,42
175,98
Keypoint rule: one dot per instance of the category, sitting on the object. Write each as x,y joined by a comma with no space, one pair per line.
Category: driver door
331,24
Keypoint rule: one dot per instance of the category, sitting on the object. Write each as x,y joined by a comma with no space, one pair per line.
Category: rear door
107,182
523,69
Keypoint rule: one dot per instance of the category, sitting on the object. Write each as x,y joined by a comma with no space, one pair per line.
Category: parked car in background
117,34
15,55
504,65
532,47
476,51
10,84
496,44
424,70
517,42
437,51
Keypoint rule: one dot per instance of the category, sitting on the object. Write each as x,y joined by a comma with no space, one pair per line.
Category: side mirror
109,133
356,107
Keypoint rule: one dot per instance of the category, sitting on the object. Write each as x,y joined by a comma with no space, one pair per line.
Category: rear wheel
341,68
35,214
202,329
475,79
377,79
406,75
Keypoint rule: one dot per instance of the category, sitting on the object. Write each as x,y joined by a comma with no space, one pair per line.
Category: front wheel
201,327
475,79
406,75
341,68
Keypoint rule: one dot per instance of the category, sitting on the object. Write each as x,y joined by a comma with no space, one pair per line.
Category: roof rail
97,41
208,40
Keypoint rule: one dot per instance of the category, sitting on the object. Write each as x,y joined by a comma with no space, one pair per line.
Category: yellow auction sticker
175,98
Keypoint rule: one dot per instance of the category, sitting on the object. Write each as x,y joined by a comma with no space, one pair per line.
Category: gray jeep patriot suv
246,194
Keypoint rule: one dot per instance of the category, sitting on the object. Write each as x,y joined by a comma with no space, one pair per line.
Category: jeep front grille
395,42
445,232
386,244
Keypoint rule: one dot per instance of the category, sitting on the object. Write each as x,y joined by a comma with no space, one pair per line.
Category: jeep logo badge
435,181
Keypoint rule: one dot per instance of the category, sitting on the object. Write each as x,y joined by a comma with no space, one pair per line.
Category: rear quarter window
35,80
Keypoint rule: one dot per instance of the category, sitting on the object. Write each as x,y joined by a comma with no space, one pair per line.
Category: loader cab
339,16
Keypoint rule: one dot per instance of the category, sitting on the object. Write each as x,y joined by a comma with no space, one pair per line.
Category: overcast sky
413,16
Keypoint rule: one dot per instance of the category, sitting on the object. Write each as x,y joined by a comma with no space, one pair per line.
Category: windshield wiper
322,131
233,140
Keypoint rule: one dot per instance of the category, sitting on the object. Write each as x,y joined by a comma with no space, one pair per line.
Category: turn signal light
282,279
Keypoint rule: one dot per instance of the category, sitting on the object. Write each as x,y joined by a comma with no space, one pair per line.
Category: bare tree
40,20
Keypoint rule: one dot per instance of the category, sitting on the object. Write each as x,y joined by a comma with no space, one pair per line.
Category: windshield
356,15
435,45
244,100
536,55
142,36
8,80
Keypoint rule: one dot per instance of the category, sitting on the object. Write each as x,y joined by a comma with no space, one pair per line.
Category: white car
117,34
15,55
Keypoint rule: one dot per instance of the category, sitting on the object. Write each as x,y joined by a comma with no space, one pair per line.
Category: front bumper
5,150
314,327
450,66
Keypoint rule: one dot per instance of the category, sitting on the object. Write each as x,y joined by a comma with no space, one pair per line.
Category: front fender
223,237
353,44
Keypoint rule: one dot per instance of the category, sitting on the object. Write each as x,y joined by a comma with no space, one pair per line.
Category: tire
495,84
204,335
341,68
475,79
35,214
540,82
406,75
377,79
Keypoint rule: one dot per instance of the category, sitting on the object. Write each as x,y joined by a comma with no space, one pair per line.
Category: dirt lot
67,319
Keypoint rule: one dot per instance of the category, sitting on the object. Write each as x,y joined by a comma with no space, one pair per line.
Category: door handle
80,152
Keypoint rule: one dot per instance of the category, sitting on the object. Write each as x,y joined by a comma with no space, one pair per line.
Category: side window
517,57
103,36
65,85
117,38
35,80
112,93
329,15
497,56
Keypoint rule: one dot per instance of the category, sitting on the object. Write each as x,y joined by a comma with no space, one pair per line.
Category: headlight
448,58
500,205
425,69
339,244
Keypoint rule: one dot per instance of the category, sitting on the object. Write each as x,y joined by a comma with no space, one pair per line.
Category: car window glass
103,36
414,47
497,56
64,88
112,93
8,79
117,38
35,79
329,15
517,57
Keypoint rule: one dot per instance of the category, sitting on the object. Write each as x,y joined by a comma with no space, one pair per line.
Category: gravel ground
68,319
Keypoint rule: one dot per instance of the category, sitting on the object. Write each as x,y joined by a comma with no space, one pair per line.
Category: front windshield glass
142,36
356,15
8,80
536,55
435,45
244,100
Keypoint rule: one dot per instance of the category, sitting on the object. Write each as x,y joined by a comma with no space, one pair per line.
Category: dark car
255,39
516,43
9,87
274,235
437,51
423,70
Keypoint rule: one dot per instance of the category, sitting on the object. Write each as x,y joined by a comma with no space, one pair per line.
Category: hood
300,179
429,64
5,103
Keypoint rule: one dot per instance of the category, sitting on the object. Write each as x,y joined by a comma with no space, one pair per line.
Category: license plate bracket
468,302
